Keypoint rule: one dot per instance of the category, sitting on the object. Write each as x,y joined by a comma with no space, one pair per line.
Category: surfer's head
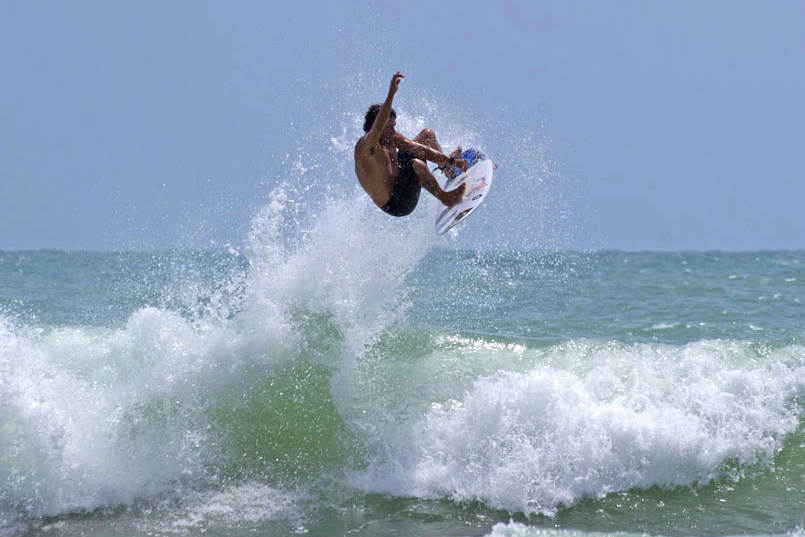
371,114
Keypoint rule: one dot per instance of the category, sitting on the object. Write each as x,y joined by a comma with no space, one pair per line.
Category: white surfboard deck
478,180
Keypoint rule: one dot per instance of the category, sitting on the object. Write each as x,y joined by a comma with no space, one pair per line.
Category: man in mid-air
392,169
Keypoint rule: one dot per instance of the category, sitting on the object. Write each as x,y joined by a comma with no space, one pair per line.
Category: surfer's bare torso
376,166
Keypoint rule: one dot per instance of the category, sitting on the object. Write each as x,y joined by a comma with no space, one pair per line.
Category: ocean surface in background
355,375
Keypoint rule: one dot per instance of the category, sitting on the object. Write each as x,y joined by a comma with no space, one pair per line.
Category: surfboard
478,179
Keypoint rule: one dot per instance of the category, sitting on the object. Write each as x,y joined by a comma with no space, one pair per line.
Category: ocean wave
97,416
585,419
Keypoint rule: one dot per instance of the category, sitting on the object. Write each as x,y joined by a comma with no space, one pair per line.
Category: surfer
392,169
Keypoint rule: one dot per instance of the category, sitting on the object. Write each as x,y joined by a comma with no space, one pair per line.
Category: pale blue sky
636,125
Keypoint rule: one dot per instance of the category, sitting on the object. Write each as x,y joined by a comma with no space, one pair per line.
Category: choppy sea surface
363,378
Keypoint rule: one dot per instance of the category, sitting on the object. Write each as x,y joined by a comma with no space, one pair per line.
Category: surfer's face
388,132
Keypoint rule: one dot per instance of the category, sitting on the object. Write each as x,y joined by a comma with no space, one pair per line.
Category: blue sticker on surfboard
478,178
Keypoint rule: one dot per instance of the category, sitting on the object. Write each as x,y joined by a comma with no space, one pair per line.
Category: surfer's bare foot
451,197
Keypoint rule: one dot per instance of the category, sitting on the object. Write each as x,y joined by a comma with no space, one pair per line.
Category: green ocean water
330,388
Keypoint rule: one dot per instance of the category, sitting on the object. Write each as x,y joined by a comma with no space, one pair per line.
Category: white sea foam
100,417
235,506
663,326
351,261
516,529
586,419
93,417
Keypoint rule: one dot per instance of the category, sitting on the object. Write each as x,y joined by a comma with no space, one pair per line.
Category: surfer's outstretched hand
395,82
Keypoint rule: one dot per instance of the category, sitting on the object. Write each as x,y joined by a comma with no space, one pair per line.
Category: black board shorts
405,194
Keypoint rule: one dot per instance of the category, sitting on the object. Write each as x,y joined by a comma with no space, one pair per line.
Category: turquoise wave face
324,384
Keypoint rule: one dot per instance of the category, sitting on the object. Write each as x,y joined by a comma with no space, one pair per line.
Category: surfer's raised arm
376,132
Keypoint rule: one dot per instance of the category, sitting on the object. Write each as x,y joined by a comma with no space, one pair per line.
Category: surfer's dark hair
371,114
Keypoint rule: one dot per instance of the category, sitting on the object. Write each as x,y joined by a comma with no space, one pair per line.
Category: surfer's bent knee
420,167
426,134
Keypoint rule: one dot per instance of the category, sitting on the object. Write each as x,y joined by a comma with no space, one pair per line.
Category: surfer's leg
429,183
428,137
